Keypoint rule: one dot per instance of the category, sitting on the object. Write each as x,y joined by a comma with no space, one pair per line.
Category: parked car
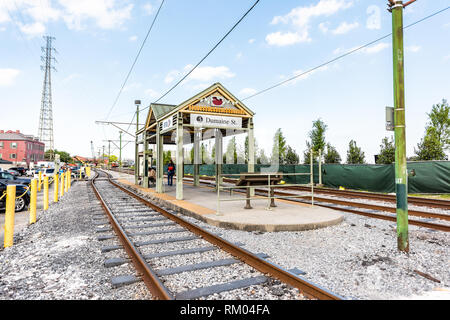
8,178
75,172
20,170
22,202
46,172
13,172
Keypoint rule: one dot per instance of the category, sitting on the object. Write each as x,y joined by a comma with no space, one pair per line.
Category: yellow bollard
88,171
40,181
9,215
45,193
66,181
33,201
62,183
55,187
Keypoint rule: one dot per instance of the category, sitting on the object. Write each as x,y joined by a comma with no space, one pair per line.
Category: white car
46,172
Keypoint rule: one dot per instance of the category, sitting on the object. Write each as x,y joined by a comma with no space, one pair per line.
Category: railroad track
366,209
140,224
424,202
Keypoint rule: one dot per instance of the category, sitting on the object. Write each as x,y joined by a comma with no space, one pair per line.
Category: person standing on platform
170,172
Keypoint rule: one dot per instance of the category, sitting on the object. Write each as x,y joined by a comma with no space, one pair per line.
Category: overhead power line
135,60
341,56
210,51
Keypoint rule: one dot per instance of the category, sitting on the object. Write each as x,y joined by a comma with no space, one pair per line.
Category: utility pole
136,149
109,155
120,150
45,130
401,175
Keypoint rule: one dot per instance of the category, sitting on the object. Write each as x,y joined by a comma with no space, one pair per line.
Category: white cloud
132,38
247,92
324,27
239,55
171,76
251,41
131,86
151,93
413,48
345,27
70,77
368,50
208,73
300,17
304,76
203,74
107,14
34,14
33,29
8,76
376,48
374,19
285,39
148,9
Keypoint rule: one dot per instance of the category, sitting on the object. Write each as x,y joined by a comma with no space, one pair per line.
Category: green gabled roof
160,110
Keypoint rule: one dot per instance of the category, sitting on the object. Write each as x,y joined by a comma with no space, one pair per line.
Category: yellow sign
216,110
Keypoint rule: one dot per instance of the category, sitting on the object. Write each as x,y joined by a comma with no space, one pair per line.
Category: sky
98,40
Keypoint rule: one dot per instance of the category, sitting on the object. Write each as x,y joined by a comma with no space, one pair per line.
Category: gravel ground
358,259
59,257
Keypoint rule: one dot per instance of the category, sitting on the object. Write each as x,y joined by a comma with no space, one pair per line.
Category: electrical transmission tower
45,132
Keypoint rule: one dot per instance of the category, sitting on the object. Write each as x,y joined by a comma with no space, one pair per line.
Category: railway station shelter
212,113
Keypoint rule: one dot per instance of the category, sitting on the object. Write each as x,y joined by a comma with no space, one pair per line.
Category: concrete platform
201,203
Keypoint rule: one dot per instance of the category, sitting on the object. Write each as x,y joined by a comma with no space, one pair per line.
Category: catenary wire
135,60
340,57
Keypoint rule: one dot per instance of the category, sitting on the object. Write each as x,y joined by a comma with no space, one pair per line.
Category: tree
307,154
231,154
246,149
437,134
354,154
440,120
167,156
430,147
63,156
317,141
291,156
279,147
317,136
331,155
387,151
262,158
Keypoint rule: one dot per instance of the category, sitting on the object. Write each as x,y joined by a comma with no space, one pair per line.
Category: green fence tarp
430,176
376,178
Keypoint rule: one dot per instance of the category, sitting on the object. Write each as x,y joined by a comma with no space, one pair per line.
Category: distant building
19,148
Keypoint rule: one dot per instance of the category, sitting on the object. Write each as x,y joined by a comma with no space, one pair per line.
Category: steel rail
150,279
309,289
425,224
435,203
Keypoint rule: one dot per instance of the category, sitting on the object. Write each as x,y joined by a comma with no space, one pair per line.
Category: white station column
179,159
197,159
251,151
159,160
219,156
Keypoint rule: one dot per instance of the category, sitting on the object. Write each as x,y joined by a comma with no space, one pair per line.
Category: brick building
19,148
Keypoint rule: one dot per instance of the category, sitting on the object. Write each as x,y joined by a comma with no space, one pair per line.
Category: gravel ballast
59,257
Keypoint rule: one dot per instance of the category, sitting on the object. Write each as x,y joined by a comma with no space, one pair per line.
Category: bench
259,179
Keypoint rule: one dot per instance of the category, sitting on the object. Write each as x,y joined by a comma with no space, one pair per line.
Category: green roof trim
160,110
